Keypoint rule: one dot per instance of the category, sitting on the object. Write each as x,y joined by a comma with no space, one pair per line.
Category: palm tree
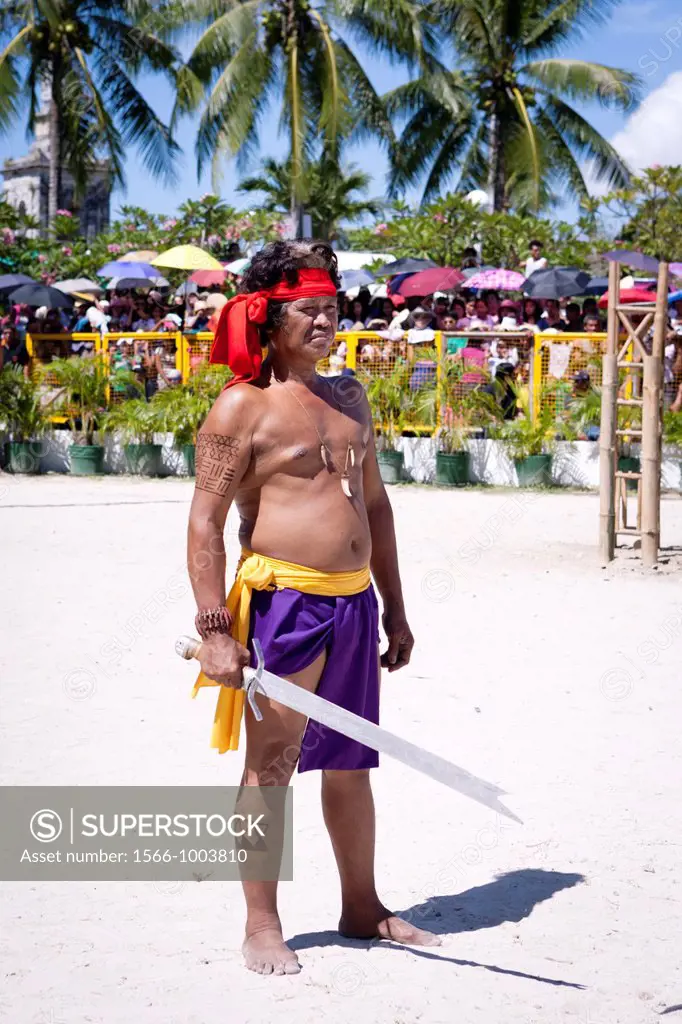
252,53
503,116
330,193
85,54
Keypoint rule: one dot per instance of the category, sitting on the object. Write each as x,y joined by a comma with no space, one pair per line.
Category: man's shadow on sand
510,897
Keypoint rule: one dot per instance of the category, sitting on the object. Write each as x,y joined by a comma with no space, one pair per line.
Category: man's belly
309,524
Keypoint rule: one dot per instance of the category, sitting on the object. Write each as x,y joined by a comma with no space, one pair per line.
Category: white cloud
652,133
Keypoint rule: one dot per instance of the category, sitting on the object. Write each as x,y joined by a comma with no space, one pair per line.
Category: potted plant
84,385
24,418
390,402
184,408
137,420
464,411
531,444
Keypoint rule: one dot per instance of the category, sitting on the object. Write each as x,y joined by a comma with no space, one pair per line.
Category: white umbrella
79,284
238,266
357,260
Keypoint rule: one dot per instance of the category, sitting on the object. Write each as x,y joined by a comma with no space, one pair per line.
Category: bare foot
266,952
382,924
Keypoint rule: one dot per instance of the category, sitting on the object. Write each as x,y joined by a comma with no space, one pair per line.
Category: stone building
26,182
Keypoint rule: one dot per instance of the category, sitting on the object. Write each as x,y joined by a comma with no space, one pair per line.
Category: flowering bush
114,248
64,213
42,258
169,224
8,236
67,250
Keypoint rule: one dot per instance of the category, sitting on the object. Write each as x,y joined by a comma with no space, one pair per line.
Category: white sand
534,668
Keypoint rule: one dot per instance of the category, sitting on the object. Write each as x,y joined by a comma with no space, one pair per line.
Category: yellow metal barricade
553,369
196,348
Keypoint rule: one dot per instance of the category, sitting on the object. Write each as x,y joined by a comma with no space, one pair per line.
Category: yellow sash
258,572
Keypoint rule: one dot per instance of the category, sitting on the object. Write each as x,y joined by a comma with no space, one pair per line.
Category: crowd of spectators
152,360
488,332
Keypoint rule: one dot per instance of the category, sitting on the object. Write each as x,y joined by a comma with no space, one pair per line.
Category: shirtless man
295,451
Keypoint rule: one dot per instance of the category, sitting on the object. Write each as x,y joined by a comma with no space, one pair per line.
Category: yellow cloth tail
258,572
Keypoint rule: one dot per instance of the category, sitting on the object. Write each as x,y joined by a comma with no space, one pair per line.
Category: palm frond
586,142
584,80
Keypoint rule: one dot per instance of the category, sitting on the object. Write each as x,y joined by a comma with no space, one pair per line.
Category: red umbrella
206,278
630,295
426,282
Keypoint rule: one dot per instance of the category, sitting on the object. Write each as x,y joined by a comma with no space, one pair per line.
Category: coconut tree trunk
55,169
496,174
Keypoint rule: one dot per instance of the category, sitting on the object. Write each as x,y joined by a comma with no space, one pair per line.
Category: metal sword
259,680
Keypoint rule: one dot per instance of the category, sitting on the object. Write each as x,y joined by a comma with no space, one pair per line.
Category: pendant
323,455
345,486
351,452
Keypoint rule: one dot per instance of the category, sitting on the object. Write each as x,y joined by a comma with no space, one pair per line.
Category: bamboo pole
650,483
607,430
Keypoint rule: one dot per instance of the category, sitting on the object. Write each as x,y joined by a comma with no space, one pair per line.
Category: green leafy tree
652,206
331,193
442,230
86,54
504,117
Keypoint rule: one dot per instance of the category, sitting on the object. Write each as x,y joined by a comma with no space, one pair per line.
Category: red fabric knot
257,309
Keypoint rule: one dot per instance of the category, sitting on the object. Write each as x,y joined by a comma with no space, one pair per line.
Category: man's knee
273,766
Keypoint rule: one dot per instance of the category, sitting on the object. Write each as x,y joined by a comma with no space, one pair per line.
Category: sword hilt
188,647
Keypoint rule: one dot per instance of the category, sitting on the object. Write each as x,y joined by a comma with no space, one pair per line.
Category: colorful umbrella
556,282
497,279
79,284
238,266
187,257
355,279
141,283
207,278
41,295
140,256
596,286
426,282
631,295
676,269
674,297
10,281
123,268
405,265
633,259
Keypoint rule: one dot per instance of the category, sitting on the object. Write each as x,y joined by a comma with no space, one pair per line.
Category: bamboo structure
640,392
607,430
652,427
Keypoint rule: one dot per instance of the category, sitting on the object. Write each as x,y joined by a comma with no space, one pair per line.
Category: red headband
237,338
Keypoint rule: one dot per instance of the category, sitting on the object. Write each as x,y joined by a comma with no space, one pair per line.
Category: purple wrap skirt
294,629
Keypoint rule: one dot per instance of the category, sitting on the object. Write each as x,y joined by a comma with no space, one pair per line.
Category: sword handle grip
188,647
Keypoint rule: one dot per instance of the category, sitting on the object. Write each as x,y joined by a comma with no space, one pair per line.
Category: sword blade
371,735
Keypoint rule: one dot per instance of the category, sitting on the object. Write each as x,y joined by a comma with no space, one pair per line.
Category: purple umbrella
633,259
675,269
126,268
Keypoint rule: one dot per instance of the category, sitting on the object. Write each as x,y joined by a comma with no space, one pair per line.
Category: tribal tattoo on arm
216,458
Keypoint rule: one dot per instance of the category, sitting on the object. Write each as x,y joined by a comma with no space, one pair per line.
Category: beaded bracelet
213,620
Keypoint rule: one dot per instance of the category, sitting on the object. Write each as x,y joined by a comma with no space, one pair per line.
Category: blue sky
644,36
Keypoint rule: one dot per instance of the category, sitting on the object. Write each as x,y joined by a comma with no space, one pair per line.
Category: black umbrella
405,265
41,295
556,282
8,282
597,286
